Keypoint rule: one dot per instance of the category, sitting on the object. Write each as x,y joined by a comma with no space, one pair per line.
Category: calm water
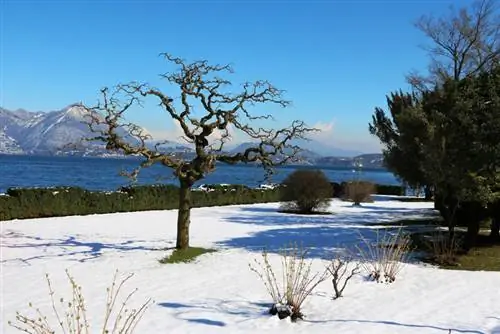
103,174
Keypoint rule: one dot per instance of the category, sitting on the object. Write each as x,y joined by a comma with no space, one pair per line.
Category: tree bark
495,228
472,232
183,216
429,194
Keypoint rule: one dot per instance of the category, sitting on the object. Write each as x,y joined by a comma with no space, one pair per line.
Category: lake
104,173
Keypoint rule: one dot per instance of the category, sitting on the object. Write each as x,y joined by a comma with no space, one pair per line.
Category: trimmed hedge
380,189
24,203
68,201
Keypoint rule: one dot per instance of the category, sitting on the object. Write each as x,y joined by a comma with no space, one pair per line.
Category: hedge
380,189
24,203
67,201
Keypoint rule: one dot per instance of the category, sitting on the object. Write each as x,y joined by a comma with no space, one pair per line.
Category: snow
218,293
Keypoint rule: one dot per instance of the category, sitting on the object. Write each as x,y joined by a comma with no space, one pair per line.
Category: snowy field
218,293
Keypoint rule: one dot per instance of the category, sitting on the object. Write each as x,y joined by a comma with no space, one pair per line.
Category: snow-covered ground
218,293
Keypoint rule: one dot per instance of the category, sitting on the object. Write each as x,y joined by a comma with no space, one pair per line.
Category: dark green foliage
305,191
51,202
382,189
185,255
447,139
338,189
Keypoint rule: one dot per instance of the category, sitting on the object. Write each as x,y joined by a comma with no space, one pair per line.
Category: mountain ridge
61,132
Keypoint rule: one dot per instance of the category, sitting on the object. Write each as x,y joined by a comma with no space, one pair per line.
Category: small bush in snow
443,249
297,281
305,191
384,259
359,191
118,318
342,269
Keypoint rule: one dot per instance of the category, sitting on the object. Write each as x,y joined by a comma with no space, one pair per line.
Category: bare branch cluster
384,259
205,106
461,45
298,281
341,271
117,319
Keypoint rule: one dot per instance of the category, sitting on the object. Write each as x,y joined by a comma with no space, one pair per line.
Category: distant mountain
325,150
40,133
61,133
305,156
375,160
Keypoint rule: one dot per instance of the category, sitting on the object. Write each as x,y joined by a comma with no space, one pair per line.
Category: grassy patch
484,256
185,255
413,222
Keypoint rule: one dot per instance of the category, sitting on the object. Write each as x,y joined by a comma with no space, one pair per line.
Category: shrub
383,189
384,259
342,269
338,189
443,250
359,191
298,281
118,318
305,191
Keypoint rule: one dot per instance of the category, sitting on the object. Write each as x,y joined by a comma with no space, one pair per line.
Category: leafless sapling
342,270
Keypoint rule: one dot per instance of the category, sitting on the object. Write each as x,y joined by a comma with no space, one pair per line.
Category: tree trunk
495,228
472,232
183,216
428,193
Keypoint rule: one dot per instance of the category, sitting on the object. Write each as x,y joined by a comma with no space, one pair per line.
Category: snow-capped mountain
61,133
43,133
51,133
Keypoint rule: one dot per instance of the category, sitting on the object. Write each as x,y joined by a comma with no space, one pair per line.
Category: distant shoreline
131,158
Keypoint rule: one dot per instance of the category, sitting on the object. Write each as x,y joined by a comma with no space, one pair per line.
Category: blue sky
336,59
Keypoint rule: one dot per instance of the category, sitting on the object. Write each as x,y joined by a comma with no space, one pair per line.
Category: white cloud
332,134
326,130
176,134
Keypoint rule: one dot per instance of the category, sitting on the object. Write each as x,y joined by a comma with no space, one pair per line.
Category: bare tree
461,44
205,125
342,269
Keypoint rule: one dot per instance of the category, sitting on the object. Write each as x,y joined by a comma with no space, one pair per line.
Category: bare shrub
297,281
342,269
359,191
384,258
118,318
443,249
305,191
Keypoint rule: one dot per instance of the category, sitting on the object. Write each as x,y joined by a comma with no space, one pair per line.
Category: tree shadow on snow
321,242
245,309
68,246
394,323
360,215
323,236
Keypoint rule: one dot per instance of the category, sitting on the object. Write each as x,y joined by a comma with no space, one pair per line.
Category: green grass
484,256
412,222
185,255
